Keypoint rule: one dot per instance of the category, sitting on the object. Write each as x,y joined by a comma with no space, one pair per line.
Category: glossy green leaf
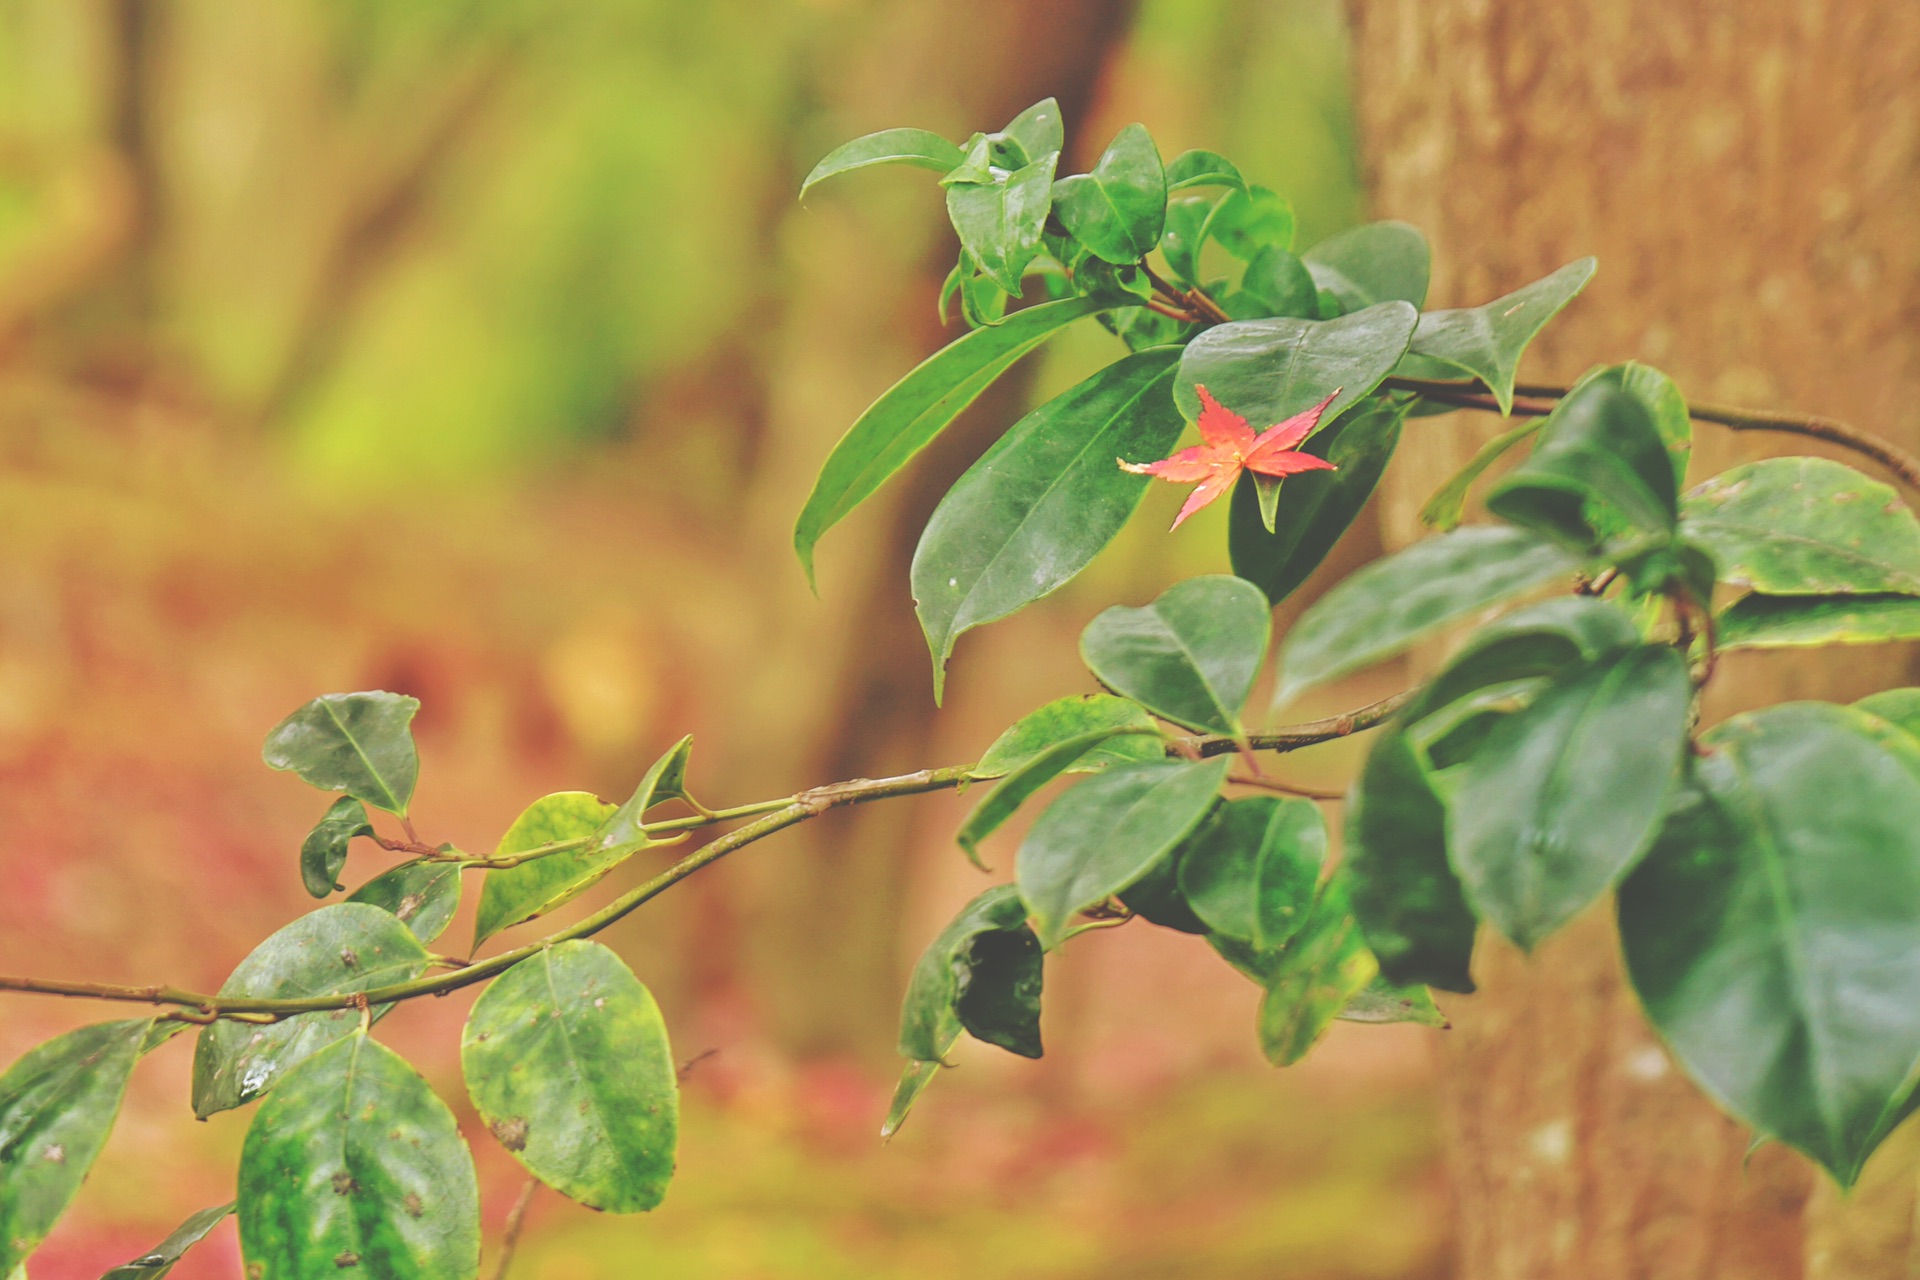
1806,527
1372,263
1792,622
913,1082
1316,507
1251,219
1043,501
58,1103
1105,833
1280,285
354,1166
1156,897
1397,601
1486,342
1898,707
1038,129
1663,402
1184,234
158,1262
424,895
625,832
999,221
1037,771
512,895
1070,717
915,410
324,852
983,972
1190,656
1773,933
1323,969
1251,872
359,743
889,146
1564,796
1199,168
337,950
1381,1001
1118,209
1600,465
1269,370
567,1061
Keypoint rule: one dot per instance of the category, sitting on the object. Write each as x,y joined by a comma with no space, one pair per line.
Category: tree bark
1745,173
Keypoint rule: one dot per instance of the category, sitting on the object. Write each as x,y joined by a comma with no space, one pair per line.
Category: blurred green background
478,349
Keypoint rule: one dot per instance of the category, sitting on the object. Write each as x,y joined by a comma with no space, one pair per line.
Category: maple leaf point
1229,446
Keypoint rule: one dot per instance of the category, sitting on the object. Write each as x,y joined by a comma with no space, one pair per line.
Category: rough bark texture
1746,173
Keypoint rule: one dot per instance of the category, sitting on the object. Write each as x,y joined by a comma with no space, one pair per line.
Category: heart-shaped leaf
1268,370
1190,656
359,743
1487,341
889,146
567,1060
1251,872
1117,210
324,852
1805,527
1372,263
1070,717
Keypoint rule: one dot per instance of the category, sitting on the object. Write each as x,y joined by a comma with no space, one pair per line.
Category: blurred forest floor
479,351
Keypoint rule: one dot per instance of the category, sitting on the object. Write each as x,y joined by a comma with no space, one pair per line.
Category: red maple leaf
1229,446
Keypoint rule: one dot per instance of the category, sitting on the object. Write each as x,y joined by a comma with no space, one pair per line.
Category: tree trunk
1746,174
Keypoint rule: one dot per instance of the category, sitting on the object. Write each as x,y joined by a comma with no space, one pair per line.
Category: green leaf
1250,873
1184,234
1448,506
337,950
1773,933
1381,1001
1564,796
1806,527
1663,402
512,895
625,831
1038,129
57,1105
354,1165
945,974
913,1082
1790,622
889,146
1372,263
1318,506
1156,897
567,1061
1269,370
1118,209
424,895
158,1261
1106,833
1037,771
324,852
359,743
1043,501
999,221
1600,464
1249,220
1190,656
1402,599
1899,707
1203,169
915,410
1071,717
1315,979
1281,285
999,1003
1487,341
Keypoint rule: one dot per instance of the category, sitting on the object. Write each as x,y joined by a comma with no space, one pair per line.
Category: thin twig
516,1222
1264,783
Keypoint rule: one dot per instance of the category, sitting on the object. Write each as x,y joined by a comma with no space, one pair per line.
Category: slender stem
1264,783
770,816
516,1222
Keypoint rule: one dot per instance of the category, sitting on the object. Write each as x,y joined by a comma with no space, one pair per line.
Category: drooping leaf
1486,342
359,743
324,852
511,895
1042,502
1381,1001
1317,506
1250,219
1118,209
1564,796
915,409
1190,656
566,1058
1372,263
1789,622
337,950
1280,285
945,976
1105,833
424,895
1773,932
1806,527
1269,370
354,1166
1021,784
1251,872
58,1102
1199,168
889,146
157,1262
913,1082
1314,979
1599,469
1448,506
1400,600
1070,717
999,220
